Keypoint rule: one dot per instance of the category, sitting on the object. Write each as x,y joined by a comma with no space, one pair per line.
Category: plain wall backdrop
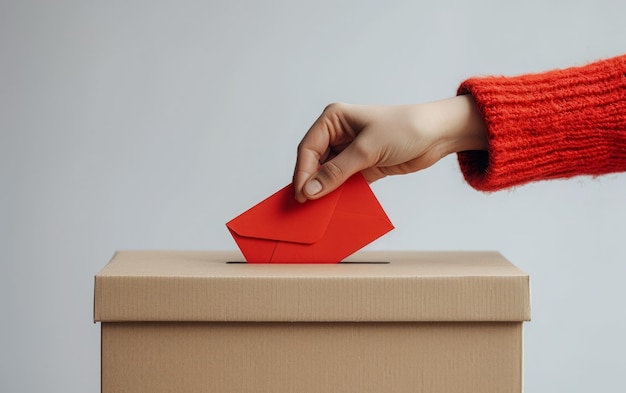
149,124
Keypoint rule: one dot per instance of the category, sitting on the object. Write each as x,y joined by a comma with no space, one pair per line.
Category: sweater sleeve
556,124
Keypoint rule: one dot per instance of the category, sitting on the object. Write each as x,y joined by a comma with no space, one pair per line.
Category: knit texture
556,124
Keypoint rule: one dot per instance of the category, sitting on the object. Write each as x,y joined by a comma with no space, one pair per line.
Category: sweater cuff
557,124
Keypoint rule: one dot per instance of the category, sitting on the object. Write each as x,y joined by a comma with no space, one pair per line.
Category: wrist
457,124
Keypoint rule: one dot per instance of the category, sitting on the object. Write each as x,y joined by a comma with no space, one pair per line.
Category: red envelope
326,230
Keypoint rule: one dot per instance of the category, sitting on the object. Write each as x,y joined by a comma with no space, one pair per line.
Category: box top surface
412,286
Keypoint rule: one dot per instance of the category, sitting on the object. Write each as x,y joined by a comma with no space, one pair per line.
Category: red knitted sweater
557,124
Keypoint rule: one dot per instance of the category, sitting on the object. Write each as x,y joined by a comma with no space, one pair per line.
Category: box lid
411,286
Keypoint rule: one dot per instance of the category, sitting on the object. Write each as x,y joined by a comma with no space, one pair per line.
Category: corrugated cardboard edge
414,286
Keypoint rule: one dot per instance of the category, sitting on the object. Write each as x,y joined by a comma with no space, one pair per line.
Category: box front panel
312,357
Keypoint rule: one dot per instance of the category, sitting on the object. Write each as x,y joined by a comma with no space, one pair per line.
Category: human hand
383,140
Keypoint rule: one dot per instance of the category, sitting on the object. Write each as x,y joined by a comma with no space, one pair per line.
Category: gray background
149,124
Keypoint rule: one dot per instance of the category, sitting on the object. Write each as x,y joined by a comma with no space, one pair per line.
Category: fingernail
313,187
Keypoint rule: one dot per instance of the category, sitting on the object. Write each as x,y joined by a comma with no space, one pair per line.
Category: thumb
333,173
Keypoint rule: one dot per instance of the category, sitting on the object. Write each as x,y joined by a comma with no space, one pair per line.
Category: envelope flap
281,217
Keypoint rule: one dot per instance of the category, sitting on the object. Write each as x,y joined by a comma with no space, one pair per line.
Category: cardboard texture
423,322
282,230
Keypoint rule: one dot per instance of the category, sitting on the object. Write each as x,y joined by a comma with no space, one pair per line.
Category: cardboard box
421,322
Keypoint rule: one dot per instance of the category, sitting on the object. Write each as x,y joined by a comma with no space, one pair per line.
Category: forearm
557,124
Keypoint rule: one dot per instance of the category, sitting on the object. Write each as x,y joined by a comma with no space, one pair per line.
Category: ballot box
204,321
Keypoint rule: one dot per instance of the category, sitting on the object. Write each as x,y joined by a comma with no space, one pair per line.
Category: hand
383,140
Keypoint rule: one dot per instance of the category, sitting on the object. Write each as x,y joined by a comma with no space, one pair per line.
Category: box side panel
312,357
